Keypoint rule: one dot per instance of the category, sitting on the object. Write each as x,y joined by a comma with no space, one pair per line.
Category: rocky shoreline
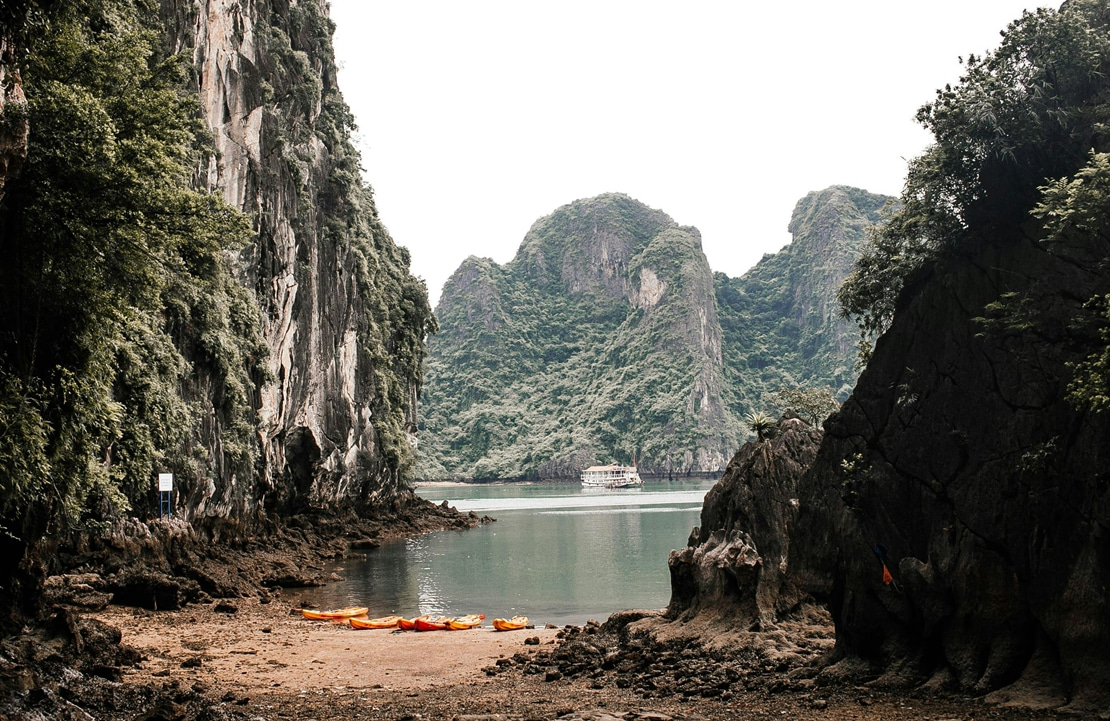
54,644
165,564
239,659
166,621
162,622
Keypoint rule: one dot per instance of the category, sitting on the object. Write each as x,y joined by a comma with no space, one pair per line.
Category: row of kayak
356,617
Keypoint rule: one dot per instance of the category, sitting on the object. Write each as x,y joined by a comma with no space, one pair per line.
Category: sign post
165,491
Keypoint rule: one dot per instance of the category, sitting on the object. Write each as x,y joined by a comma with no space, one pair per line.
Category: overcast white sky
477,118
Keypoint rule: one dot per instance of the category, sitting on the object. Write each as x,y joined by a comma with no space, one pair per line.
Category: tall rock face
955,517
343,318
603,340
599,340
736,564
781,320
972,459
959,462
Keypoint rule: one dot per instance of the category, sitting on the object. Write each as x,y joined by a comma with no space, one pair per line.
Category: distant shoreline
707,476
499,482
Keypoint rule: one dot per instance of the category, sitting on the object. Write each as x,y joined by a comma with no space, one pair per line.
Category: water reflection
554,555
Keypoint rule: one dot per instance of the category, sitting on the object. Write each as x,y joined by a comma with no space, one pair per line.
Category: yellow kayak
338,614
464,622
383,622
513,624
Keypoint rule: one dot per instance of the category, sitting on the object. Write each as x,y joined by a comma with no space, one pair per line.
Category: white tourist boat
612,476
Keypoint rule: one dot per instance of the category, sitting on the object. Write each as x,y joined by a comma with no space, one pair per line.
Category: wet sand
263,647
264,661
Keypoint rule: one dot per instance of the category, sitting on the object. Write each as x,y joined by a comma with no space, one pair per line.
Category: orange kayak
338,614
383,622
513,624
427,623
464,622
406,624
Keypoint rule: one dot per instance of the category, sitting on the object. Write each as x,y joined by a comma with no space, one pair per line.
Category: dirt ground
271,648
266,662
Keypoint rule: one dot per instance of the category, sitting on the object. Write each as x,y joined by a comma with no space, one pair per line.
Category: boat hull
463,623
384,622
338,614
612,484
510,624
424,623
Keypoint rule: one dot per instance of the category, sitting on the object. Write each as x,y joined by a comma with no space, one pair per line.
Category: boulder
737,561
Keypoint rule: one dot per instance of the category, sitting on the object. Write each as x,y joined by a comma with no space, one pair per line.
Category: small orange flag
887,578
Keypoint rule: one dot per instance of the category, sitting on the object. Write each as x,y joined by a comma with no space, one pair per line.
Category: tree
812,404
1023,115
115,287
1078,209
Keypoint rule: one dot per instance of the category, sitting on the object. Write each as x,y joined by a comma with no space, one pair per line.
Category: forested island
195,281
609,337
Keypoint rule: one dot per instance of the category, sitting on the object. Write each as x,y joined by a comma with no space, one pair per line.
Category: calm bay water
558,553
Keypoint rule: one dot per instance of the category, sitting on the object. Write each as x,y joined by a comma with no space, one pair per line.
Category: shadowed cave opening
302,456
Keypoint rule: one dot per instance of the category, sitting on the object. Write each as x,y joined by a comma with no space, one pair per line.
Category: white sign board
165,482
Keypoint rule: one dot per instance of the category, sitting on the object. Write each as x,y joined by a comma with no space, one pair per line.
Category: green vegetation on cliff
139,304
781,322
974,445
114,271
608,337
1075,209
1027,114
562,355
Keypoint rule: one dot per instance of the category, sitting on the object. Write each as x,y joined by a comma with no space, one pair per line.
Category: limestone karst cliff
959,457
196,279
343,318
954,518
608,337
972,454
736,563
601,327
781,321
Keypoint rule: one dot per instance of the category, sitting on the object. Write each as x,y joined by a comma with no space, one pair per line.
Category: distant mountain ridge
609,337
781,321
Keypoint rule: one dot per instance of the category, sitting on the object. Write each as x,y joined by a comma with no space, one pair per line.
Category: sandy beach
263,647
264,660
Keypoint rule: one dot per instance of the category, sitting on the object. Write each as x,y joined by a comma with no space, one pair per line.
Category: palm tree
761,424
